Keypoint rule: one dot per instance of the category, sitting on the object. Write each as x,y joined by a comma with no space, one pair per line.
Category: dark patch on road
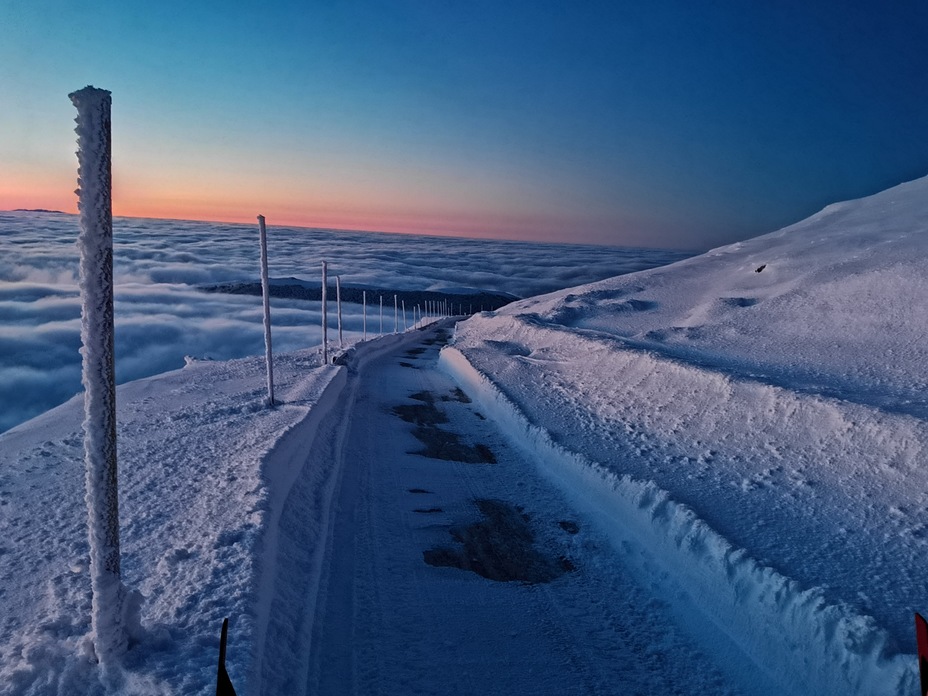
500,546
418,490
412,352
441,337
569,526
423,414
439,444
445,445
457,395
406,364
480,415
427,511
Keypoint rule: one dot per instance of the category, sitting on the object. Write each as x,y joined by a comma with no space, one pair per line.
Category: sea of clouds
162,316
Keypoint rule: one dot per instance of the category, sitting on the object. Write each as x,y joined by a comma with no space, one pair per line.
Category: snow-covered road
451,566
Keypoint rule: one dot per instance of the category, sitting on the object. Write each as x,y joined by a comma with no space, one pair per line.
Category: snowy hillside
757,415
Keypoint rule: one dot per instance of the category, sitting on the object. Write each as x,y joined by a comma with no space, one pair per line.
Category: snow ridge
794,635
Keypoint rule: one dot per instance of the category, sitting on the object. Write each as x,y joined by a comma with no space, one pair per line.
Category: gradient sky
658,123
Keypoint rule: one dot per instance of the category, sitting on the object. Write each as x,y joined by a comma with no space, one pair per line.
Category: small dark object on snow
760,268
569,526
223,683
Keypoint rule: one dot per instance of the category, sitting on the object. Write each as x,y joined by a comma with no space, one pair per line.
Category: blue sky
667,123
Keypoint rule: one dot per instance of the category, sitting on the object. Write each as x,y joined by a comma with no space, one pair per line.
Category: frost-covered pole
325,316
266,292
405,325
338,305
99,374
364,311
396,315
381,315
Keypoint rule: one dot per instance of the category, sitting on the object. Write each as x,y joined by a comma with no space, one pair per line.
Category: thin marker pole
266,293
338,304
325,315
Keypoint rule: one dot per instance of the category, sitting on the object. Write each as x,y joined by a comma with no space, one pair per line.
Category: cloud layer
161,316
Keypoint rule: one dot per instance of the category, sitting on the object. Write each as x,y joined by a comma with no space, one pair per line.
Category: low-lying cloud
161,316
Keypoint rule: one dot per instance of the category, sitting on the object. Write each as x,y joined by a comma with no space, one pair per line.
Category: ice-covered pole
364,311
325,316
396,315
338,306
266,293
95,244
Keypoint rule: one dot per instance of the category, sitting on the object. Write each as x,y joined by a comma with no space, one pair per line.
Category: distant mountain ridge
467,300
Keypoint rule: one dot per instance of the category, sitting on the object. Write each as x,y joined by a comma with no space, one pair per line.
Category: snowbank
802,643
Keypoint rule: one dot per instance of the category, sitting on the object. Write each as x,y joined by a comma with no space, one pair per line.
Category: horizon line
455,235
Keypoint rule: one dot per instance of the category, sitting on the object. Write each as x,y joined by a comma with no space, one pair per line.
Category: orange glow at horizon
35,195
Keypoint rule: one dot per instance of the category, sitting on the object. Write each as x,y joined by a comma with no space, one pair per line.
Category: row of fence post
432,308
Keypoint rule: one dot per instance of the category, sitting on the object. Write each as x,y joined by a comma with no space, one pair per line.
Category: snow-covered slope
757,413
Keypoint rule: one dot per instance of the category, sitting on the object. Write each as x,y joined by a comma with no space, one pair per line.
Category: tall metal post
266,293
94,156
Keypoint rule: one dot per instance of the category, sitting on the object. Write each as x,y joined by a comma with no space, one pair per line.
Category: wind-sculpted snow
161,316
757,416
806,639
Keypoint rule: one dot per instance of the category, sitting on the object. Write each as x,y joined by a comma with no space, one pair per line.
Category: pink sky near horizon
226,198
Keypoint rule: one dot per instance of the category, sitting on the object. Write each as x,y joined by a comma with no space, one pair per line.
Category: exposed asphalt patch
406,364
418,490
428,511
422,414
500,546
439,444
441,338
415,351
457,395
442,444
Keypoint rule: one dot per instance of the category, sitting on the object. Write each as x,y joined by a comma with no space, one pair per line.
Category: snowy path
561,615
